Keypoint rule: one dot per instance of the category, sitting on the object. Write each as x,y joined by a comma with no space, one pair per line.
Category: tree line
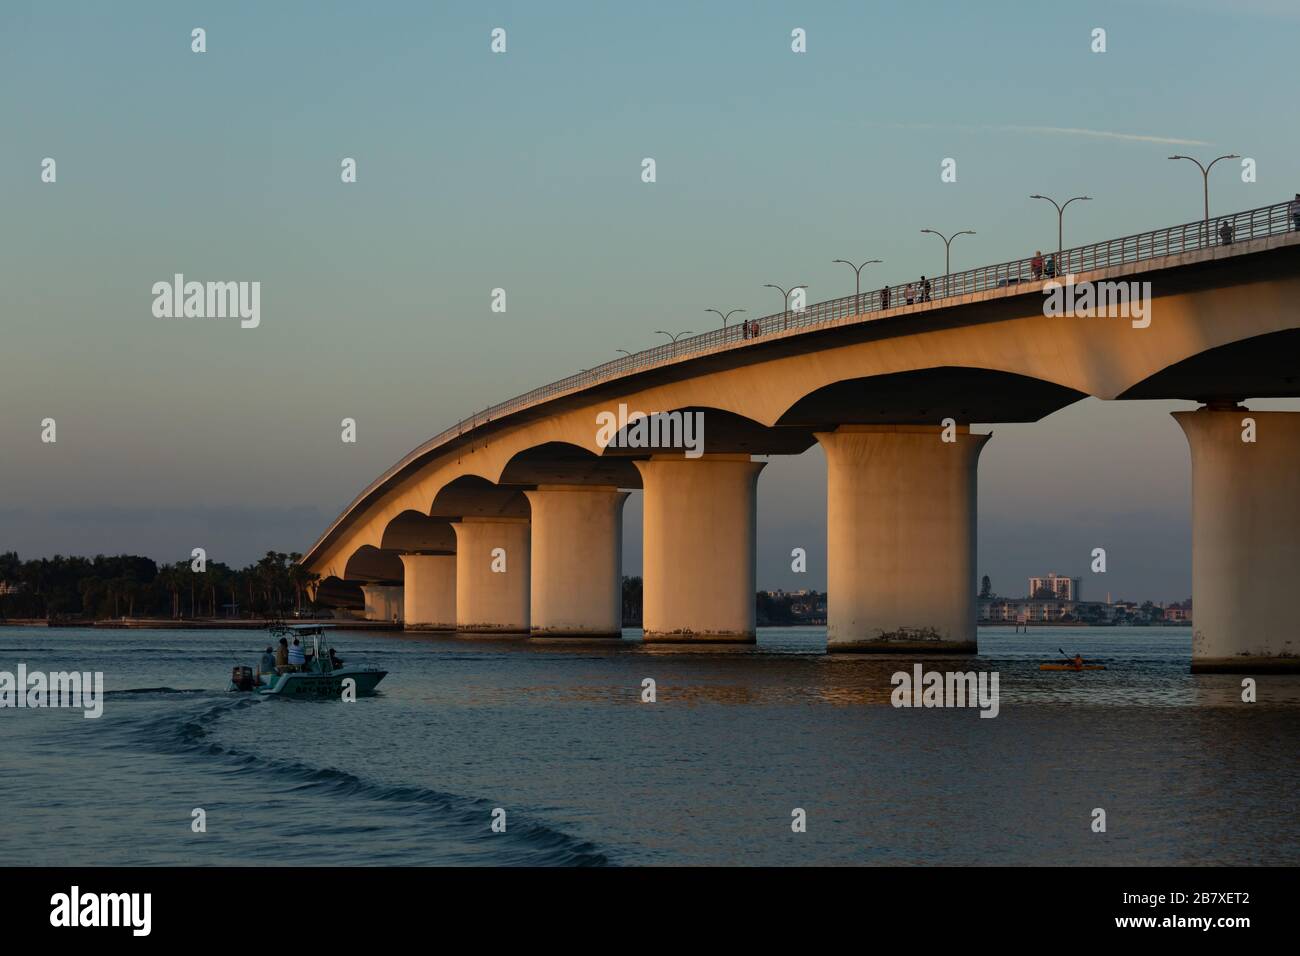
127,585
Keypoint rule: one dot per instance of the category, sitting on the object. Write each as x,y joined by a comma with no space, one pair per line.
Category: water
558,737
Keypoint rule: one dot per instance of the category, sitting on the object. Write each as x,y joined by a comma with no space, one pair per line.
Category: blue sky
522,171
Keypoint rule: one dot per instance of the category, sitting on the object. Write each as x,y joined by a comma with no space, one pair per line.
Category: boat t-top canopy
302,629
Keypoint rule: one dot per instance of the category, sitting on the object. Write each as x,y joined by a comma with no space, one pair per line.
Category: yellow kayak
1071,667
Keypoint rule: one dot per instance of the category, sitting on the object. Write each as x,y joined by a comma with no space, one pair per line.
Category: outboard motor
241,677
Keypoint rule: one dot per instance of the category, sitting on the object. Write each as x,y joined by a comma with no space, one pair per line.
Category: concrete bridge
511,521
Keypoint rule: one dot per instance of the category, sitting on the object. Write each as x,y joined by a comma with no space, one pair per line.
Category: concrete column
384,602
430,592
577,560
699,543
900,538
1245,539
491,584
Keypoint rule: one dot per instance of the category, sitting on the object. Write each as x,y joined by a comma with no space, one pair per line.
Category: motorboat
317,679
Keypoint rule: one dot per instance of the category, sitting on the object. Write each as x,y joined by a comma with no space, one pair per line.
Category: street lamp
947,251
1205,179
1060,219
724,317
625,352
785,301
670,335
857,282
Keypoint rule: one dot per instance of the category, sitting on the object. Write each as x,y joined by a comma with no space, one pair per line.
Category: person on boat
1078,662
296,656
267,663
335,660
282,654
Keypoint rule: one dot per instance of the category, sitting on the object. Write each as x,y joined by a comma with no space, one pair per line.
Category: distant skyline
522,171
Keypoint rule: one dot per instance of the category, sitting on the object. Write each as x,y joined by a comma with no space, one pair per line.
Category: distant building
1064,589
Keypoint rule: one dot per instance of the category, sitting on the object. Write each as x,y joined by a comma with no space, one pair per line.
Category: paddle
1068,659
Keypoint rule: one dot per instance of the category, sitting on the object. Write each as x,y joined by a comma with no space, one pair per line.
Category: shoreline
201,624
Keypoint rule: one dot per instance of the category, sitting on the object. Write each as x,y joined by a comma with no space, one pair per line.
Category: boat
318,680
1071,667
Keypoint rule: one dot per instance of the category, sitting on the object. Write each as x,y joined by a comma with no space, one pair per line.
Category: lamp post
1205,180
1060,228
726,316
673,338
947,251
857,282
785,301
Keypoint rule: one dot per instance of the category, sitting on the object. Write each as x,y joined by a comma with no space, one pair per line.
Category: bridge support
577,555
430,592
1245,539
699,555
492,562
900,538
384,602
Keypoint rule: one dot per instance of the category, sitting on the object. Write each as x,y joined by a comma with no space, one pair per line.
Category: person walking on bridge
1295,213
1036,264
884,297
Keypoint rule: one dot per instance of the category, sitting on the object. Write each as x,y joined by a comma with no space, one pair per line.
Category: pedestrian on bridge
908,294
884,297
1295,213
1036,264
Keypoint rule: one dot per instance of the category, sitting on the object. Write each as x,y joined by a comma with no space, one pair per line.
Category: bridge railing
1171,240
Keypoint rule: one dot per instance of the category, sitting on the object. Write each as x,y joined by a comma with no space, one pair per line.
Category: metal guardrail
1187,237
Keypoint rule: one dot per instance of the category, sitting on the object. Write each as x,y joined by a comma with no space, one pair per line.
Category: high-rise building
1063,588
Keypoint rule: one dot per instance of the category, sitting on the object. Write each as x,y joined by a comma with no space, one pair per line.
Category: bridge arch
1261,366
926,396
414,531
369,564
564,463
706,430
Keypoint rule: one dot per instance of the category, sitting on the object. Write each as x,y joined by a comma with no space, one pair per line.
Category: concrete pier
699,577
430,592
1245,539
577,554
384,602
492,586
900,539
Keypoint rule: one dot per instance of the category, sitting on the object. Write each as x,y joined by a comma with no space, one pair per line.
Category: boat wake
455,828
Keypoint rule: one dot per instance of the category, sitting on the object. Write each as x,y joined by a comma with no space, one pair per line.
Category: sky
522,171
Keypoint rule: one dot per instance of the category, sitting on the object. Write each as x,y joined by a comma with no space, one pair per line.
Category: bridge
510,522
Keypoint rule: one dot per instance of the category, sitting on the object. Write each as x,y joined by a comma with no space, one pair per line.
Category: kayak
1071,667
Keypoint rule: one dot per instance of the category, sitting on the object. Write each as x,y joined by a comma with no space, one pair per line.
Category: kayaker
1078,662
